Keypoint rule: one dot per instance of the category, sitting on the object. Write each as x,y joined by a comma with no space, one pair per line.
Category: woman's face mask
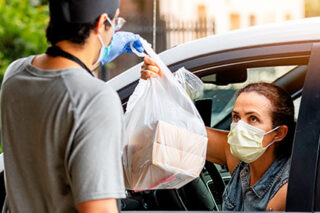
246,141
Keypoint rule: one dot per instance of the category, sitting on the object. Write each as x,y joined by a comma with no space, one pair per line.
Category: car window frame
203,64
292,81
304,179
296,199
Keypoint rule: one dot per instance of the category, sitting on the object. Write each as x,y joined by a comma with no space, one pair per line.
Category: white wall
265,11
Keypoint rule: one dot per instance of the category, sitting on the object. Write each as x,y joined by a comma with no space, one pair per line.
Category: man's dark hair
76,33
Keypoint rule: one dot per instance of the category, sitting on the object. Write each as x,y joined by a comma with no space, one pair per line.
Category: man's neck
86,53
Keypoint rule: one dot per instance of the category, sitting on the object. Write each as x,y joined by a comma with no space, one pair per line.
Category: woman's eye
235,118
253,119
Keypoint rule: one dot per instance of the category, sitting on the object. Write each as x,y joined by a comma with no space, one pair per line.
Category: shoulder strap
57,51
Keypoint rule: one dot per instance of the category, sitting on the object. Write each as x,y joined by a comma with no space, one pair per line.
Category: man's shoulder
82,83
84,88
15,67
19,62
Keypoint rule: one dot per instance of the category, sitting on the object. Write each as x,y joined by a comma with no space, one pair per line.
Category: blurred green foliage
22,29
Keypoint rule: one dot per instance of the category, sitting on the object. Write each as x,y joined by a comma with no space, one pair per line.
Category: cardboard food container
175,158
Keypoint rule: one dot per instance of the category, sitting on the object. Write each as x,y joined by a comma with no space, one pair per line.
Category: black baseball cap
81,11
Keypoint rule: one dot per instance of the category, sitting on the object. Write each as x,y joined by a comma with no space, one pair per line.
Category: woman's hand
150,69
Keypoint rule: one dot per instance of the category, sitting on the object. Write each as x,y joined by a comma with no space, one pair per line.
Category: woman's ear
100,23
281,132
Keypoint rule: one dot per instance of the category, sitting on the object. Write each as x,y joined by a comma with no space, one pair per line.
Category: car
285,54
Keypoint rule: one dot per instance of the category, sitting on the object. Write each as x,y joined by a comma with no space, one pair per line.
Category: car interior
215,105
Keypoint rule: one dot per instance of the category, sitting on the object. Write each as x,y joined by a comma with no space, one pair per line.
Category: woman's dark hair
282,113
76,33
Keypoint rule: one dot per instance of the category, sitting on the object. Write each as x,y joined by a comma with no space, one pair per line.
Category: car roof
301,30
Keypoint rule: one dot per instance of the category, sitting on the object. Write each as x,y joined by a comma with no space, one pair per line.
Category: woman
256,150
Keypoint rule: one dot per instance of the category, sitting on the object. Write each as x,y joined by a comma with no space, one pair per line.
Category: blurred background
23,23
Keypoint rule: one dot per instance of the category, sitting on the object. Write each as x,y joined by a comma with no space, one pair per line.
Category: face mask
105,50
246,141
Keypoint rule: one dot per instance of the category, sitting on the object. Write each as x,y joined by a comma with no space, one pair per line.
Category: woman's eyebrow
252,112
247,113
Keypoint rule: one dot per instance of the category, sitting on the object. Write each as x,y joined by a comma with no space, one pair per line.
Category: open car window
223,97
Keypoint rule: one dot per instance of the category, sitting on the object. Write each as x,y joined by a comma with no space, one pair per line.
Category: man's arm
94,159
98,206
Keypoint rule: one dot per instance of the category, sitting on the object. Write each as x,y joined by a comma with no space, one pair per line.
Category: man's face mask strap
104,50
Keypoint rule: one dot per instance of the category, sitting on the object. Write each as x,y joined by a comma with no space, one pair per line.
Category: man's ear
100,27
281,132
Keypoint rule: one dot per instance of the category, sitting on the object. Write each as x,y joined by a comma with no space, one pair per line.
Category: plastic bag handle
148,49
135,51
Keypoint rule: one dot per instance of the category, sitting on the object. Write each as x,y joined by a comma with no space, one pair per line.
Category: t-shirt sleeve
94,164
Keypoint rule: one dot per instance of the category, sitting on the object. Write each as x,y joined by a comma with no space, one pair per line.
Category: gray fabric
62,134
240,196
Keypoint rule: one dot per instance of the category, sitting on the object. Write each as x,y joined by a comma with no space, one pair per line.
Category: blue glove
121,44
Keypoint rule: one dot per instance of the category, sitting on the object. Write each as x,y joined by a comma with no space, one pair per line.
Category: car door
225,72
304,182
289,75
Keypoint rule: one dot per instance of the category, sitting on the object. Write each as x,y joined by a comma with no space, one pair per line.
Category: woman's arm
278,202
218,150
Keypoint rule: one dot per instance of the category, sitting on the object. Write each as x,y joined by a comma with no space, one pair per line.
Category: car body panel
288,43
280,33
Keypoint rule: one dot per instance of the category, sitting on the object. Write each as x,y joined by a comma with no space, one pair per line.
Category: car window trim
258,63
125,92
238,55
299,50
304,181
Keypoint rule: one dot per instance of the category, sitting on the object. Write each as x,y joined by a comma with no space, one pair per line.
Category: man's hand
150,69
121,44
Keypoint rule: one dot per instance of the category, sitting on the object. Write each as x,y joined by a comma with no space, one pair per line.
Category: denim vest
240,196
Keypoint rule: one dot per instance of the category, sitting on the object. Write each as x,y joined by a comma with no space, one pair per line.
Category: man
62,129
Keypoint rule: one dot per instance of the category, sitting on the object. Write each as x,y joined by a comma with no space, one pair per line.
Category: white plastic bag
167,137
190,82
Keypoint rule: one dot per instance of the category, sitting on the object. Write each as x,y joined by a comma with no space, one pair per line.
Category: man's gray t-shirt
62,134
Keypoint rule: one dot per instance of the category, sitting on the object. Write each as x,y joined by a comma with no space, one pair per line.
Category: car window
223,97
296,103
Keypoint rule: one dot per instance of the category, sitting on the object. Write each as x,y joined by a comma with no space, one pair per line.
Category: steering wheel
203,193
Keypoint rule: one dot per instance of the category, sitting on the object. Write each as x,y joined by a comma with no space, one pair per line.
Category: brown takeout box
174,158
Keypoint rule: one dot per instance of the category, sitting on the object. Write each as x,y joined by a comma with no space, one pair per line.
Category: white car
286,54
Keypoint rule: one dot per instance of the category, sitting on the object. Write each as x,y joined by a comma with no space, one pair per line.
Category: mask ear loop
268,133
101,41
274,129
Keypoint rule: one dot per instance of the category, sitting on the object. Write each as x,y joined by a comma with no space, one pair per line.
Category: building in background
220,16
179,21
139,16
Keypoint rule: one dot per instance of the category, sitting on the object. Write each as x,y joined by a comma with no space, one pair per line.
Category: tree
22,29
